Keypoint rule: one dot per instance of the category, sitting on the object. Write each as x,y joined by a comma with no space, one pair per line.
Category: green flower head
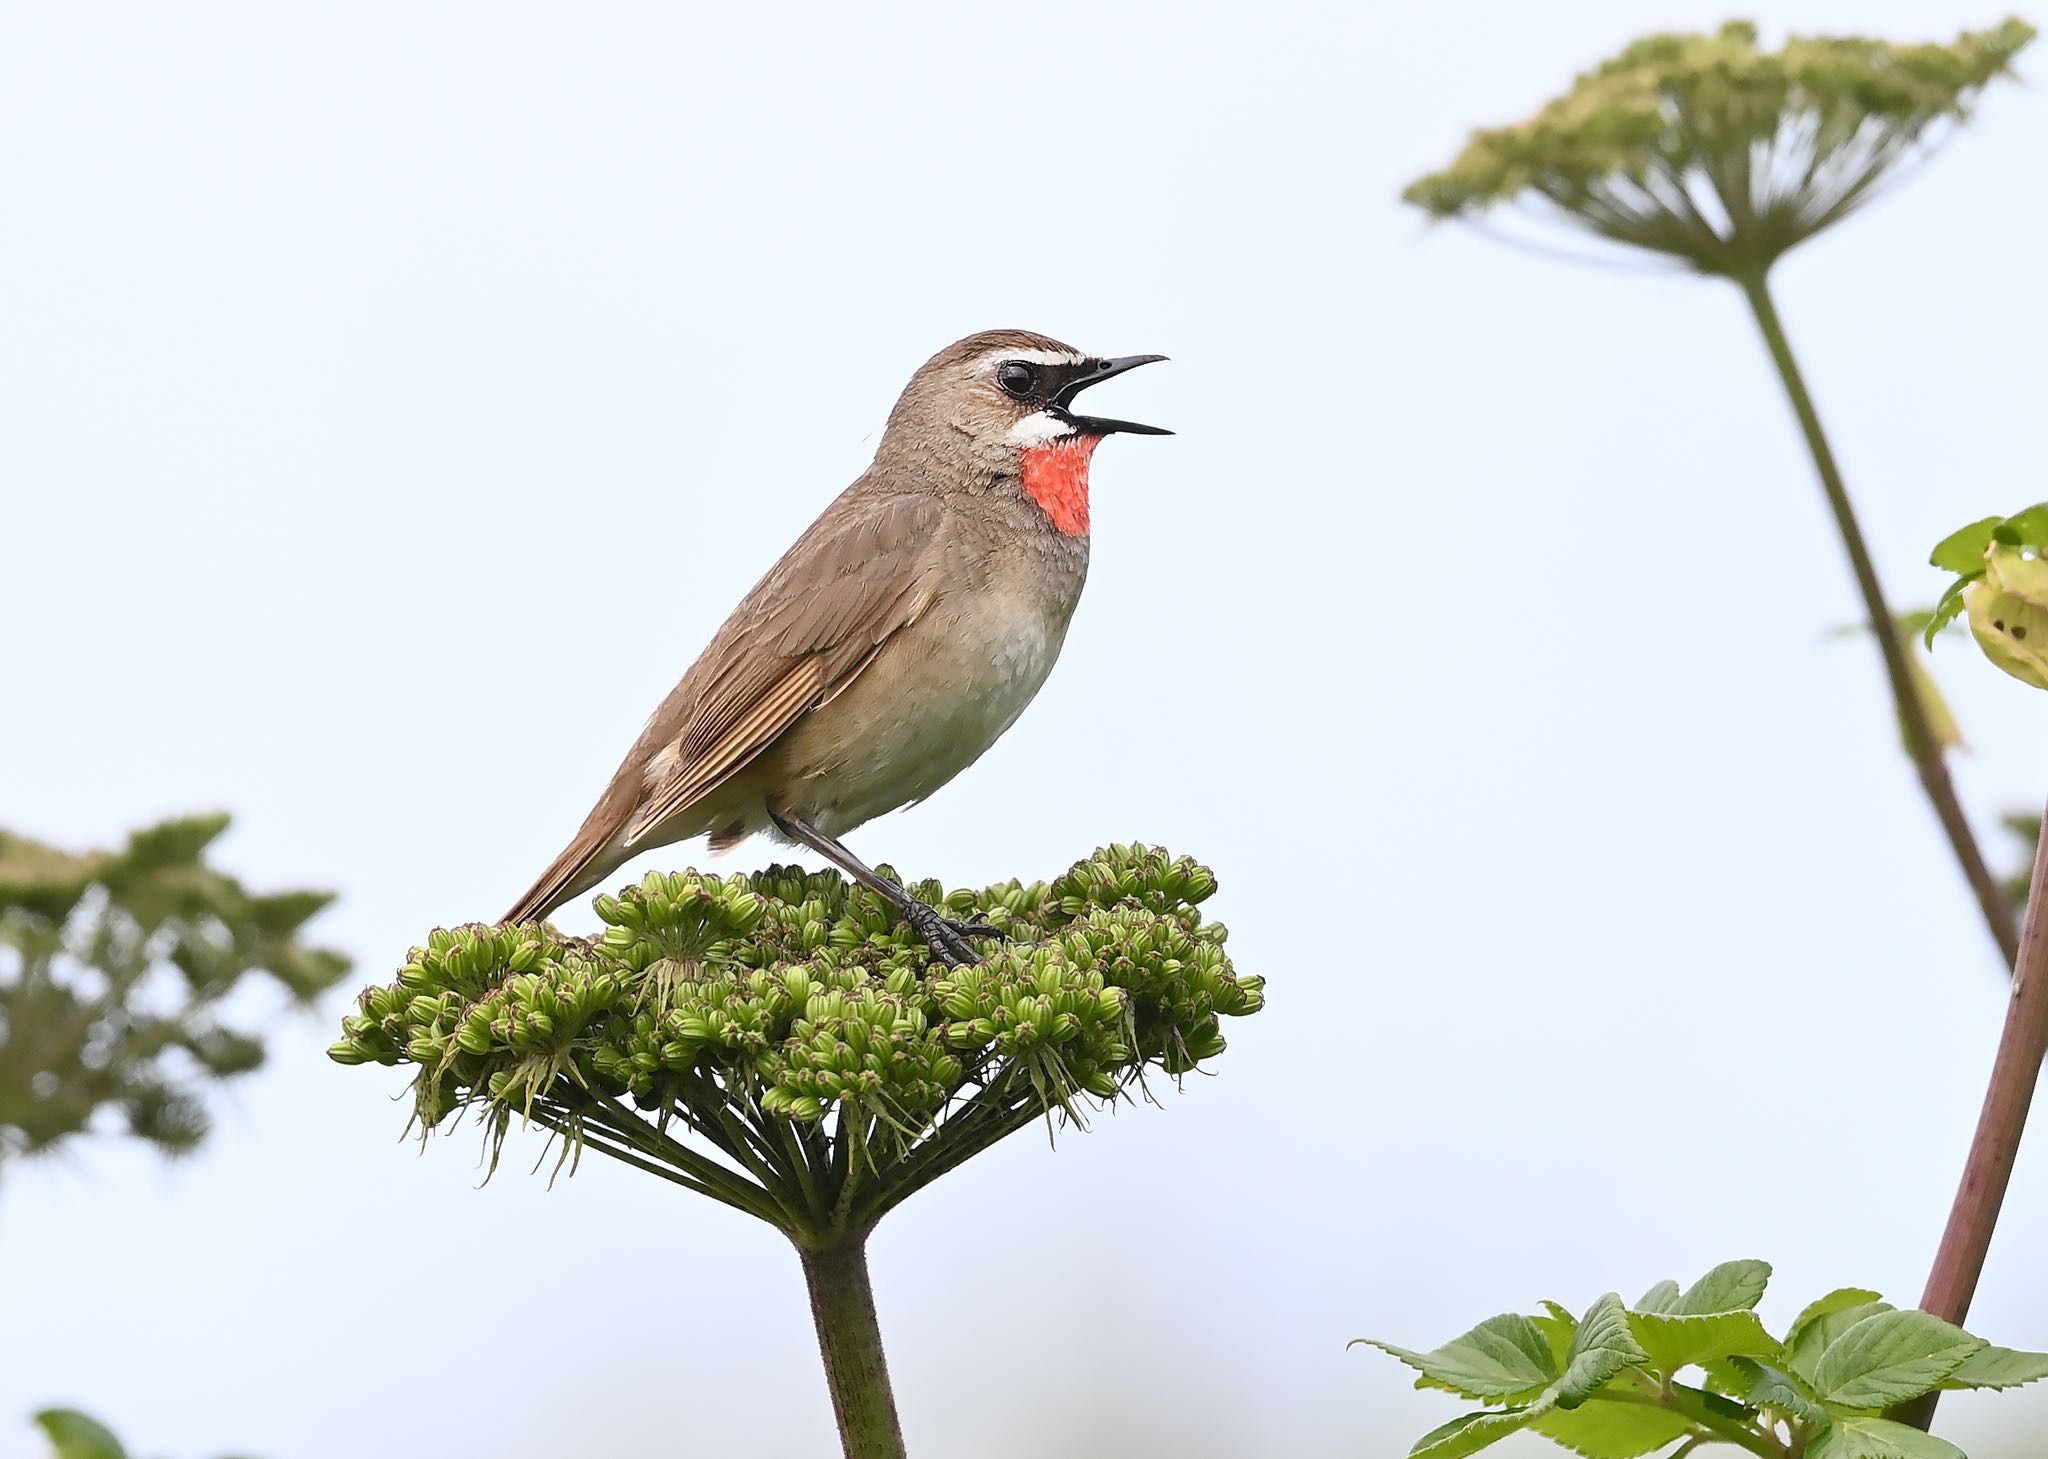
827,1065
1717,153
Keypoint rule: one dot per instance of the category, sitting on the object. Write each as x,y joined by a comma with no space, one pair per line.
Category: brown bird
896,641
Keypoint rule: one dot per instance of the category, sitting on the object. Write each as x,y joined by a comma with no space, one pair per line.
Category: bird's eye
1017,377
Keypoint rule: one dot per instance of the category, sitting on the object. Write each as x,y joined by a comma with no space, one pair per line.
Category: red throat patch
1056,476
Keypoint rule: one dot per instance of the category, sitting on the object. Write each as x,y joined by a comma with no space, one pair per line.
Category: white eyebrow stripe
1038,428
1036,357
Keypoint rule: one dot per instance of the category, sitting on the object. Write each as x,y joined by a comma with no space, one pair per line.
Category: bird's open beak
1096,425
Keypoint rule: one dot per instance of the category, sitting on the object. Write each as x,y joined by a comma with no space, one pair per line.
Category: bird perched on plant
892,645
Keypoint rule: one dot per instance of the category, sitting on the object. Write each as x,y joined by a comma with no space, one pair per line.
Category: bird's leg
946,937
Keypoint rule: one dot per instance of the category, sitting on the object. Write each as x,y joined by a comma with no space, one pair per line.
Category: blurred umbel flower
113,967
784,1044
1718,154
1721,157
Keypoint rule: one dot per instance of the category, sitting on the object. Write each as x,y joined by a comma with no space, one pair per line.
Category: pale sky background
393,398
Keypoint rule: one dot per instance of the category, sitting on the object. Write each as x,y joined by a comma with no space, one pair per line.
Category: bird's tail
597,850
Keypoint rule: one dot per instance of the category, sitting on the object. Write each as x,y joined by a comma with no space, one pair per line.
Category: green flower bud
2008,609
475,1035
793,996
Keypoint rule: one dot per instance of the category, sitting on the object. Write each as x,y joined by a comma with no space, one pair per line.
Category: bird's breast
938,694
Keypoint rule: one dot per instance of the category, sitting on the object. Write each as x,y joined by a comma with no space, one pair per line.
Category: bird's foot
946,937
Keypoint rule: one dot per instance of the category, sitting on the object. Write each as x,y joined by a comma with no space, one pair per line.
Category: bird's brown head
1003,402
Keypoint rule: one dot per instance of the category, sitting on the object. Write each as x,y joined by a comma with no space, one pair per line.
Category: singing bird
892,645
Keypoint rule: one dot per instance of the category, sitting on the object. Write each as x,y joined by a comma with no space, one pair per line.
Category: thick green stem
1921,743
850,1341
1959,1260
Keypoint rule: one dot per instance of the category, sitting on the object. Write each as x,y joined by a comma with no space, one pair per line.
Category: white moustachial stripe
1038,428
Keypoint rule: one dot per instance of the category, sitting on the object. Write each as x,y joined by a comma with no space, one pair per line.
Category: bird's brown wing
798,639
863,572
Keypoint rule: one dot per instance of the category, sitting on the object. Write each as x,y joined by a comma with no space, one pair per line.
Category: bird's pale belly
938,695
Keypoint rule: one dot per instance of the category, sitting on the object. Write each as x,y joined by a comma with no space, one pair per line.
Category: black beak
1100,371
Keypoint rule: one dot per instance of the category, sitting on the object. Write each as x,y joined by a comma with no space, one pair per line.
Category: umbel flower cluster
783,1043
1720,154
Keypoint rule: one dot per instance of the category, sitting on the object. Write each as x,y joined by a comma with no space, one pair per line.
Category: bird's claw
946,937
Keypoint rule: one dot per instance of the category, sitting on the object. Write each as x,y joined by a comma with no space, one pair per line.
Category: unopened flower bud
2008,610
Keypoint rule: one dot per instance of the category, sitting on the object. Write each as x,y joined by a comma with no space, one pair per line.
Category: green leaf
1765,1386
1469,1433
1724,1378
2023,529
1660,1298
1890,1357
75,1436
174,843
1678,1342
1839,1300
1599,1429
1600,1348
1730,1287
1503,1358
1992,1367
1878,1438
1558,1327
1814,1337
1949,607
1963,551
285,912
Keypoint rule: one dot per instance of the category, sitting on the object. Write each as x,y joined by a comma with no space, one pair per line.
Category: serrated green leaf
1675,1342
1558,1328
1600,1348
74,1435
1767,1386
1733,1286
1504,1358
1820,1331
1469,1433
1599,1429
1660,1298
1839,1300
2023,529
1890,1357
1963,551
1949,607
1722,1378
1994,1367
1878,1438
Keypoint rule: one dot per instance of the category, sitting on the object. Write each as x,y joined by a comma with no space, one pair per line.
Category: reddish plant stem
1959,1261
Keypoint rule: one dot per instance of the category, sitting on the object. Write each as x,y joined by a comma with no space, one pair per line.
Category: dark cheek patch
1056,476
